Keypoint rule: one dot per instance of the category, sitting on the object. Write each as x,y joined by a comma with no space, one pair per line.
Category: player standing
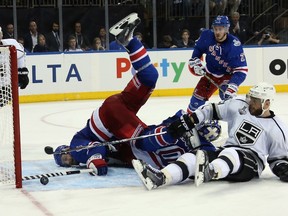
117,118
23,78
5,78
225,63
256,136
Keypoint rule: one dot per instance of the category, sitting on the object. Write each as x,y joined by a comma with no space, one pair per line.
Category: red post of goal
16,123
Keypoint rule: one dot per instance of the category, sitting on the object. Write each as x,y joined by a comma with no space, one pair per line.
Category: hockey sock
138,55
228,162
221,168
147,73
194,104
181,169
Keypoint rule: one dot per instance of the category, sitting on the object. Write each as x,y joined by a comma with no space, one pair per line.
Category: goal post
10,148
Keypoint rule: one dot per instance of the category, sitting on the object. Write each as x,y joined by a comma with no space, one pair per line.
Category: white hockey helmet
263,91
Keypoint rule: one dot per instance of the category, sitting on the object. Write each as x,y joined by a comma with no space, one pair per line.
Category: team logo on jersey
247,133
236,42
242,111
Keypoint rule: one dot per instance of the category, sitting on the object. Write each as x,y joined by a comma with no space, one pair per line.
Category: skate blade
199,175
116,29
139,169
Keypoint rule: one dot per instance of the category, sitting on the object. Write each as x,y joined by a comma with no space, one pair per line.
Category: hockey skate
151,177
203,172
123,30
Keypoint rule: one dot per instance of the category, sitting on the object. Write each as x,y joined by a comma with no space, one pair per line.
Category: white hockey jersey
20,51
267,137
5,78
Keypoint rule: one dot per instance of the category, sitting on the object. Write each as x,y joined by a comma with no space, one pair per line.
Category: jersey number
170,154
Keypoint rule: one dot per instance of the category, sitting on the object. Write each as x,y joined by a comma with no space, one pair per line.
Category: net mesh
7,168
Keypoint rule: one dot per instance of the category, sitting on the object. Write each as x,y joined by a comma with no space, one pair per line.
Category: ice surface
121,192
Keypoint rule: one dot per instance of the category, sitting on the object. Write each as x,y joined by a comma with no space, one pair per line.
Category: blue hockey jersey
222,58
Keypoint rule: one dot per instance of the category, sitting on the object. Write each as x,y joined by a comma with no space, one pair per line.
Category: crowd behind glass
77,40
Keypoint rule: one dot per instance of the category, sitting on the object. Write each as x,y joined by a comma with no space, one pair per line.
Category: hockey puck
44,180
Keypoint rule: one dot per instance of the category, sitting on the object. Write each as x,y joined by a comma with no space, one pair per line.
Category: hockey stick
44,177
49,150
214,83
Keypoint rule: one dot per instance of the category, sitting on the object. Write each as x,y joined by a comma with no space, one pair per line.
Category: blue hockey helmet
58,153
210,130
221,21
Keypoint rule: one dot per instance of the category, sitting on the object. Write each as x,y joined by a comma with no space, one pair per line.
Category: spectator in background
53,39
197,7
82,41
177,7
268,38
72,45
233,5
238,28
217,7
96,44
41,46
30,39
167,42
9,33
102,36
185,41
139,36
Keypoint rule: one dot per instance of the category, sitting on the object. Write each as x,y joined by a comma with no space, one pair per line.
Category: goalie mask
58,154
210,130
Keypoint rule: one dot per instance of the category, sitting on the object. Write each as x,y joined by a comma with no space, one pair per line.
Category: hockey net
10,154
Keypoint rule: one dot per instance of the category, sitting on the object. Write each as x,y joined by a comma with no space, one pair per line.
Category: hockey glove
23,79
231,91
281,170
196,67
98,164
180,126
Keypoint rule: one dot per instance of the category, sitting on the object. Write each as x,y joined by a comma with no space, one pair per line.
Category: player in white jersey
23,79
255,136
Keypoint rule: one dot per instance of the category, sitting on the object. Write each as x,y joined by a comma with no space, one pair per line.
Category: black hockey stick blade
57,174
49,150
